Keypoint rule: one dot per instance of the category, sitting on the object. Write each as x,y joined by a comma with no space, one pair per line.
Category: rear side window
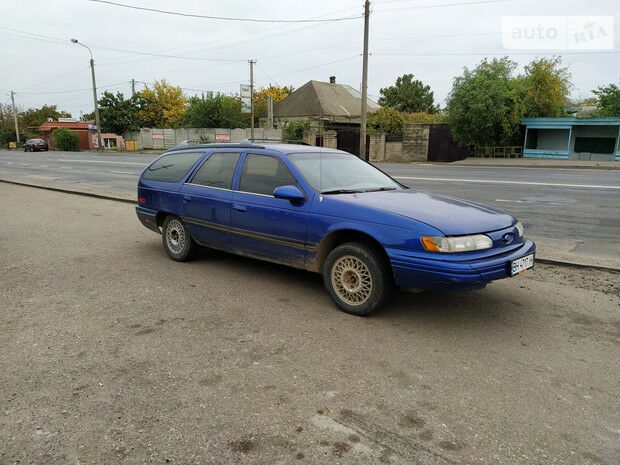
262,174
171,168
217,171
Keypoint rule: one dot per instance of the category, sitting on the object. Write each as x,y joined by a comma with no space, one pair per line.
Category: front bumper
148,218
424,273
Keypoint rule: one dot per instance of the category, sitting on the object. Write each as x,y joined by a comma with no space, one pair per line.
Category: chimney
332,79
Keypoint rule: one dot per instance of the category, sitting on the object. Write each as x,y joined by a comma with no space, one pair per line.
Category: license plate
521,264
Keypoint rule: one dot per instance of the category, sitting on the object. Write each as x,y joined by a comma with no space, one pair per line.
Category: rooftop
317,98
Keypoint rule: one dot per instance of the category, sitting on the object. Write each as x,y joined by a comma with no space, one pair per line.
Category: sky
432,39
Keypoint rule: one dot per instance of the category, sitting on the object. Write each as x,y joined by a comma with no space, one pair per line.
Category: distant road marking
122,172
104,161
511,201
25,164
519,183
65,167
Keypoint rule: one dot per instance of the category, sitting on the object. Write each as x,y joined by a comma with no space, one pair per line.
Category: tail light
141,200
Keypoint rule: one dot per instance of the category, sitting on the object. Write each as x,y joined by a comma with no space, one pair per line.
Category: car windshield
339,173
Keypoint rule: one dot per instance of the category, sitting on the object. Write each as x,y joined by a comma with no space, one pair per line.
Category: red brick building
87,135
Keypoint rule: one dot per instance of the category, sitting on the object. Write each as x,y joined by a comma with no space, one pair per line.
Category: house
572,138
86,131
333,110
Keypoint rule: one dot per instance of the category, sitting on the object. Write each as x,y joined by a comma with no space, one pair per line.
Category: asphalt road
113,353
574,212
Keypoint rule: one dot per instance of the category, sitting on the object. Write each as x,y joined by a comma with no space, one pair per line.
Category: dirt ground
112,353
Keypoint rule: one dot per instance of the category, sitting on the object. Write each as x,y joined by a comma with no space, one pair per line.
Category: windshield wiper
381,189
342,191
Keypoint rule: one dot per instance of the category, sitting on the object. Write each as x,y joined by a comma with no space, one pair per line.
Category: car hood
451,216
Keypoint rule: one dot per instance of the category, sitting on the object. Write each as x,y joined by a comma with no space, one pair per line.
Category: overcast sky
439,41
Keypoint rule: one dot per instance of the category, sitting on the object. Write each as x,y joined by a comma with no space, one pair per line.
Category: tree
607,100
545,87
66,140
261,97
386,120
118,115
485,105
161,106
294,130
215,110
31,119
408,95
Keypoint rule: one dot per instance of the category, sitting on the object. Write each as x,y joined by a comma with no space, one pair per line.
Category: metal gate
349,141
442,147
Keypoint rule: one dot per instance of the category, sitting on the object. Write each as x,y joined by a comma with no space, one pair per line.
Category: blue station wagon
327,211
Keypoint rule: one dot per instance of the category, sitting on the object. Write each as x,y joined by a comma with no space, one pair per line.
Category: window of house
263,173
109,142
217,171
171,167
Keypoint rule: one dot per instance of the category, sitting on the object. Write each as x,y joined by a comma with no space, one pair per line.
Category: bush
386,120
66,140
294,130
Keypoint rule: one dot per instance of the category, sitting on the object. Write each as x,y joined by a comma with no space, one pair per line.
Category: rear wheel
176,239
357,278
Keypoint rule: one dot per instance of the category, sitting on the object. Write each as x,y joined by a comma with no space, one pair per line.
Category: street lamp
92,73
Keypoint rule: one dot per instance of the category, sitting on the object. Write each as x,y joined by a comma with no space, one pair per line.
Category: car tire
358,278
178,244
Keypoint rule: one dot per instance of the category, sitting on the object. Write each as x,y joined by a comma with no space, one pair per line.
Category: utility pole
363,153
15,116
270,112
133,87
252,99
92,73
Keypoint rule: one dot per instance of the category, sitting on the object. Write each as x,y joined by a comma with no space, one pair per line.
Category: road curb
582,266
546,261
70,191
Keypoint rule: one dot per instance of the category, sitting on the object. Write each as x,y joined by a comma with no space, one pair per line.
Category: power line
439,5
70,91
225,18
504,53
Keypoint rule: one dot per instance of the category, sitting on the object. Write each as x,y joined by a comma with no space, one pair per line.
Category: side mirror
292,193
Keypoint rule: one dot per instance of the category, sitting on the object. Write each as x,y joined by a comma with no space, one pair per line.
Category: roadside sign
246,98
158,137
222,137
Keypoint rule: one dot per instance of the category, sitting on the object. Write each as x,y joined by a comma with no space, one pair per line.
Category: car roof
285,148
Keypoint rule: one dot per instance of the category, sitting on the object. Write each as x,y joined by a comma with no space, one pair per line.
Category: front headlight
456,244
519,227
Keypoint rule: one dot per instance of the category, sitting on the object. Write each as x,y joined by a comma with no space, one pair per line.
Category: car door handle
186,198
239,207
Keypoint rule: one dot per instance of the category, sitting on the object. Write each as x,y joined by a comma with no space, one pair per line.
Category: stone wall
415,142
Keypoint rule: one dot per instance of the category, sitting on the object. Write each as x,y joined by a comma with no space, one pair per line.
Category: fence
512,151
163,139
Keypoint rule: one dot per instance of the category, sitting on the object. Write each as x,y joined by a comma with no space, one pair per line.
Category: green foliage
32,118
118,115
391,121
485,106
7,127
66,140
386,120
608,100
294,130
408,95
424,118
215,110
545,88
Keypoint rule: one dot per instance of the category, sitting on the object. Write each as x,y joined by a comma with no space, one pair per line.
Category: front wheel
177,242
357,278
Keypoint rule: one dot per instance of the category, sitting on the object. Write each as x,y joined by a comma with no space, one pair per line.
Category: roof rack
275,141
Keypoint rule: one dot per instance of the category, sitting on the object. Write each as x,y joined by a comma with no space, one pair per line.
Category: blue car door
206,199
262,225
